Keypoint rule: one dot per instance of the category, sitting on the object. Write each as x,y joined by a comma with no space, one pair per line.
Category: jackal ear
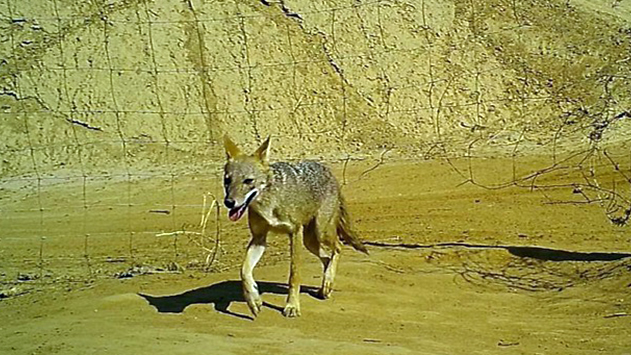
262,154
232,151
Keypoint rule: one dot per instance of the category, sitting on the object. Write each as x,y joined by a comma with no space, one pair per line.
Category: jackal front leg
250,288
292,309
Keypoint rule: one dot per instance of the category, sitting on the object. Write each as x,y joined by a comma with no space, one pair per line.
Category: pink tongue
236,213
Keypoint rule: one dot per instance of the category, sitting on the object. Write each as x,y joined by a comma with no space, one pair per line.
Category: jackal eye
248,181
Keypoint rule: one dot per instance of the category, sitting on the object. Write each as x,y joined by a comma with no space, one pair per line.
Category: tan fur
287,198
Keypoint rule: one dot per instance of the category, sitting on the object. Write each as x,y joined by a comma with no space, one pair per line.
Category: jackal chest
277,221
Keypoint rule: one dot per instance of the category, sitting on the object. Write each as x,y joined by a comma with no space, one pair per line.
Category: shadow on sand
221,294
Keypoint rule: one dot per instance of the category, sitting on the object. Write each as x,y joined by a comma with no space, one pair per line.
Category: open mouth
236,213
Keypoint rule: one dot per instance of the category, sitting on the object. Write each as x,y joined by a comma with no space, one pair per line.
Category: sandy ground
111,117
480,295
393,302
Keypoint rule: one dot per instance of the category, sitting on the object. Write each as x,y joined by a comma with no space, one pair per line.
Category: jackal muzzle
237,212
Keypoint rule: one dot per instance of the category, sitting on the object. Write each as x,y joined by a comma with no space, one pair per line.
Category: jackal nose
229,202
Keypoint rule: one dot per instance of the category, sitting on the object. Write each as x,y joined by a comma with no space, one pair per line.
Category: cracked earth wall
134,85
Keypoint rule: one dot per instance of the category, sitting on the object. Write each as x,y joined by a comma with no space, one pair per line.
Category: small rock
11,292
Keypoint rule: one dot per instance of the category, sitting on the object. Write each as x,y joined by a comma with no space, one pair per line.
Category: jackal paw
291,310
255,303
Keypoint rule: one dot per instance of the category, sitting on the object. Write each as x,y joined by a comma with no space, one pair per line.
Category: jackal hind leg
330,268
321,239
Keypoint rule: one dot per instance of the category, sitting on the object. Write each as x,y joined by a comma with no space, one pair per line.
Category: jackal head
245,177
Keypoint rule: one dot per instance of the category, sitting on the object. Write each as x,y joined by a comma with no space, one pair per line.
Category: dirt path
393,302
449,299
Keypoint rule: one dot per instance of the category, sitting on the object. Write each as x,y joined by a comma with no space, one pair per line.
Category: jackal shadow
221,294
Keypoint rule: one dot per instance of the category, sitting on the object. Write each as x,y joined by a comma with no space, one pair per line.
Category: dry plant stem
379,163
176,233
611,198
211,253
348,157
203,210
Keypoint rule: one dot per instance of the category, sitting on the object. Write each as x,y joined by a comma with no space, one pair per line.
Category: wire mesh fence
111,111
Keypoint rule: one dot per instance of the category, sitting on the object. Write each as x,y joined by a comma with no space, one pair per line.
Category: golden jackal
282,198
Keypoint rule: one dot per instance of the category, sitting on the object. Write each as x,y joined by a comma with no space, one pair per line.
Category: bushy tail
345,231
